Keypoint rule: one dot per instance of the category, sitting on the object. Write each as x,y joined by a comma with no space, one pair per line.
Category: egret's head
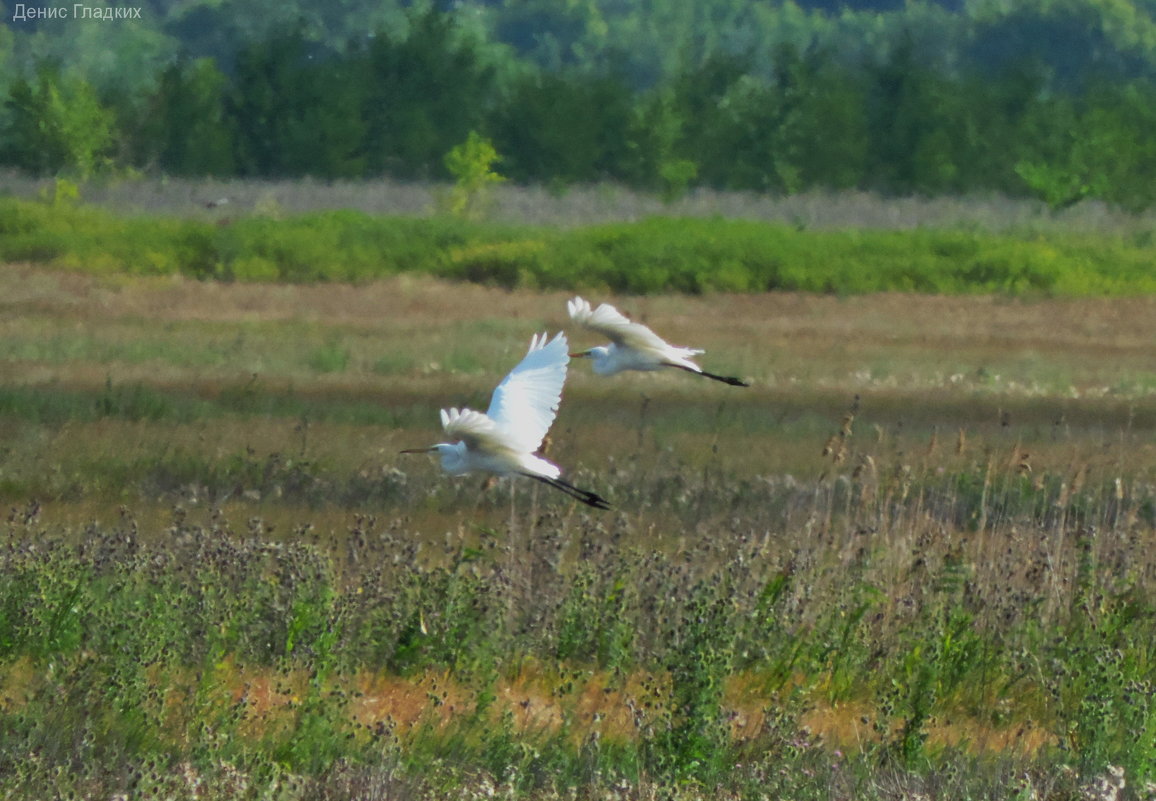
598,356
451,455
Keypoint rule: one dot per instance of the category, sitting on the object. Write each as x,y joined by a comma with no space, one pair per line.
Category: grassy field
914,560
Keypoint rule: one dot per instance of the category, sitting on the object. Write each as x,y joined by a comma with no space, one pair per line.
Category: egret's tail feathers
535,465
584,496
726,379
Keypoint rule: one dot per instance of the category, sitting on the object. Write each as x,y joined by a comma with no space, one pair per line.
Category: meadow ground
915,557
580,205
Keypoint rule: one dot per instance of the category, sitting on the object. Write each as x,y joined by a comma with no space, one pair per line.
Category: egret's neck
453,457
603,360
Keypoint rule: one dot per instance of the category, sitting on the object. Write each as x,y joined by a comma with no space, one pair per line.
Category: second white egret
633,346
503,441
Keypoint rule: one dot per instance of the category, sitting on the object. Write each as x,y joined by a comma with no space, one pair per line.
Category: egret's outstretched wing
473,428
615,326
525,403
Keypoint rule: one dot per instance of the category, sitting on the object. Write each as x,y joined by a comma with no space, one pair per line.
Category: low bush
649,256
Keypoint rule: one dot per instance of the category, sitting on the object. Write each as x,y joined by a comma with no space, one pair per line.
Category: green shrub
649,256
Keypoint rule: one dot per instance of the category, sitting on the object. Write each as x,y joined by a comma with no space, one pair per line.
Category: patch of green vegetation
918,607
654,255
332,357
934,600
581,657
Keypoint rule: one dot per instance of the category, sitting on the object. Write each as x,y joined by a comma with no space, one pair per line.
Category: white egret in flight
503,440
633,346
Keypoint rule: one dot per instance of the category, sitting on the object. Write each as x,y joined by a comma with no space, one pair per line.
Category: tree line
894,118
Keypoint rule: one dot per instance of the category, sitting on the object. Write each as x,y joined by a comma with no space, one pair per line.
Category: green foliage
471,164
329,358
1089,149
934,668
1105,673
564,128
187,131
655,255
56,124
691,743
653,161
212,648
911,124
64,192
758,133
1047,100
425,92
296,112
590,622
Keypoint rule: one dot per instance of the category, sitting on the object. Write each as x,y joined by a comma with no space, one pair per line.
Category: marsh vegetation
914,559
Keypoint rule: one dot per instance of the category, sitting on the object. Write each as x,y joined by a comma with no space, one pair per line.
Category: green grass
652,256
218,579
151,647
930,604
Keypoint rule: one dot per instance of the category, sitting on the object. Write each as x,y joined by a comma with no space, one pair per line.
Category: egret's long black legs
585,496
726,379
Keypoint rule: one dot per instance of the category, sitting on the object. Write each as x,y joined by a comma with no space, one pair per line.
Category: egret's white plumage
633,346
523,407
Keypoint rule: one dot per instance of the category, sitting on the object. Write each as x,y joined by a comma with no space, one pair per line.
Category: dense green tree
6,48
652,160
1127,148
186,131
994,110
56,124
1079,40
1049,98
809,128
115,57
704,98
913,125
823,120
565,128
296,108
424,93
1100,146
553,35
220,29
803,126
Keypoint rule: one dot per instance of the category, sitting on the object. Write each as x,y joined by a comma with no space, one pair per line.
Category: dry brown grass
1067,382
580,205
614,708
700,474
781,338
